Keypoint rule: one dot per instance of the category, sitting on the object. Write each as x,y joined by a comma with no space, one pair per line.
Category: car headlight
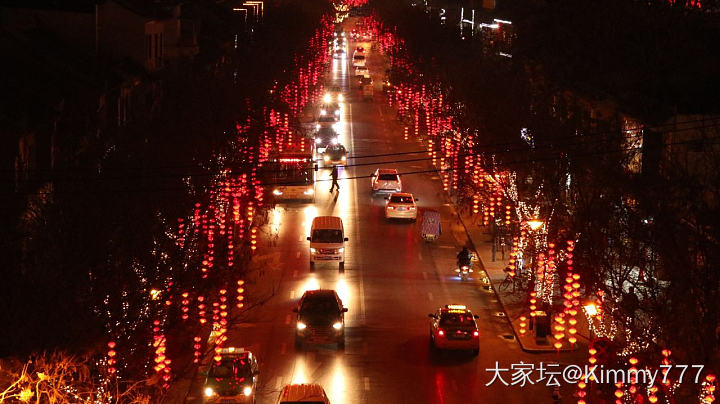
341,250
337,112
326,158
312,250
337,325
335,140
277,192
301,325
323,112
341,98
327,98
309,191
209,392
247,390
343,158
318,140
317,126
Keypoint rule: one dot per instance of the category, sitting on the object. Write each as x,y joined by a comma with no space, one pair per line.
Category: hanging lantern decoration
197,347
184,305
523,325
201,310
181,232
240,294
707,390
111,361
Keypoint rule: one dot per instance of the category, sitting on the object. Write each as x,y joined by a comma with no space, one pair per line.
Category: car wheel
312,264
342,265
476,352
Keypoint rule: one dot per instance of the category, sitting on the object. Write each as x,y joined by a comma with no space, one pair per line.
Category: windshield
235,368
292,173
335,150
327,236
388,177
401,199
302,402
457,319
359,57
320,305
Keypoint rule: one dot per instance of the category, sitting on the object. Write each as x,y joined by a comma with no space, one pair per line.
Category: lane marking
367,383
287,320
283,348
430,295
447,246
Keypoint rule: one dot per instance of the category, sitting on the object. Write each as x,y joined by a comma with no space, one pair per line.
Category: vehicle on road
366,88
233,378
385,180
361,71
333,94
303,393
358,60
453,327
359,50
335,155
320,318
327,240
291,172
431,227
339,53
464,272
324,137
330,108
401,206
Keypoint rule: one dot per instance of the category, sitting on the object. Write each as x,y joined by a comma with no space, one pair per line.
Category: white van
327,240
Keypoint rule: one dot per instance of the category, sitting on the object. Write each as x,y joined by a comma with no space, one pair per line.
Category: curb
497,296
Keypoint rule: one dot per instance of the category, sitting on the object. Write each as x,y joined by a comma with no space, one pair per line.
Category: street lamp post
591,310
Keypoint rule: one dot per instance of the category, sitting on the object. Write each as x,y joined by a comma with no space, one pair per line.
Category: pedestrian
334,175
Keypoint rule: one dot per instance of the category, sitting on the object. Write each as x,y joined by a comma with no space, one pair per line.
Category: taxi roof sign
456,307
232,350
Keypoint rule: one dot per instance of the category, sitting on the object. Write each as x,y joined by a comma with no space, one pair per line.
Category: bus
291,175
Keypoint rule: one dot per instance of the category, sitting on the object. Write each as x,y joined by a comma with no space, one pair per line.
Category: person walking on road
334,175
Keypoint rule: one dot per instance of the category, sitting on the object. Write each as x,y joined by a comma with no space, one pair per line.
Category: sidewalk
514,304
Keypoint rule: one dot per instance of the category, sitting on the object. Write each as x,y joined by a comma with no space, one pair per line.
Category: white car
401,206
361,71
386,180
358,60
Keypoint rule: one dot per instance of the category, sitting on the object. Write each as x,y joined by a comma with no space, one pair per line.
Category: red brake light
441,332
475,333
391,207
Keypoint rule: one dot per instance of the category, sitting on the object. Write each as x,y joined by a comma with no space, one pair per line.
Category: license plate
401,208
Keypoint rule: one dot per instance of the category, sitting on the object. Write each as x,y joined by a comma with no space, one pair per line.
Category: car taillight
411,208
475,334
441,333
391,207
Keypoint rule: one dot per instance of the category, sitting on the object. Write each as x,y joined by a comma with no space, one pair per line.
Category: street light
535,224
592,311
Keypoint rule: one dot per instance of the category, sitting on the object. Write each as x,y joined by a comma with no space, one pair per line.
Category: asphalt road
392,280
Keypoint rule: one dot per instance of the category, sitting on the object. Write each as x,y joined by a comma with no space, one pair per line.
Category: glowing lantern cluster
162,362
707,390
111,361
184,305
240,294
523,325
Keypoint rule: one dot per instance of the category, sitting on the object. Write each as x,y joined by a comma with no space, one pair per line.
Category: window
401,199
388,177
456,319
327,236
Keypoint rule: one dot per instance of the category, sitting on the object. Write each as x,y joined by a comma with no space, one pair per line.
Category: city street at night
360,202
